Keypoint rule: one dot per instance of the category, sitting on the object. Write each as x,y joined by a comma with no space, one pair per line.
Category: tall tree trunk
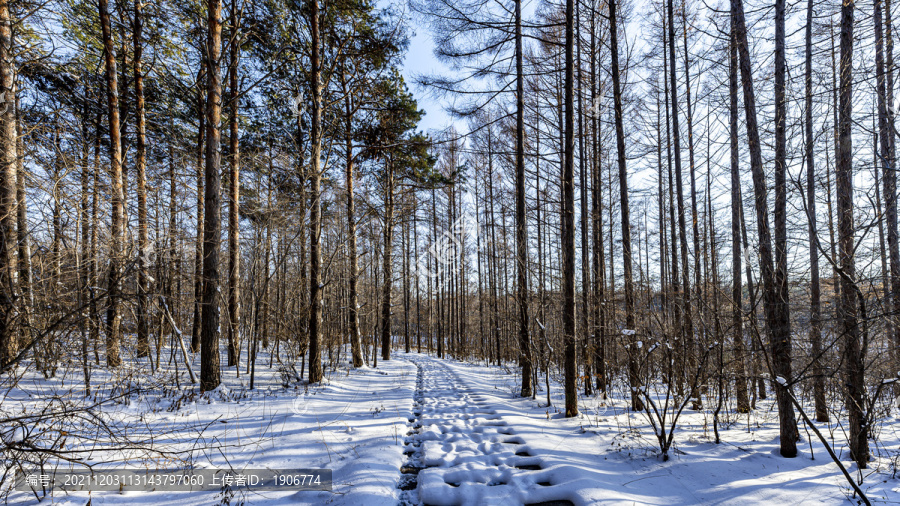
24,239
777,317
633,368
597,266
198,251
9,295
836,278
387,265
355,348
173,260
406,341
661,218
416,252
525,360
143,284
678,307
854,372
698,287
781,324
315,214
266,287
95,246
743,403
84,240
687,331
234,198
210,375
568,217
815,305
890,190
583,212
113,316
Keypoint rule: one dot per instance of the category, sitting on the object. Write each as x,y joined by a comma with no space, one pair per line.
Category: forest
656,237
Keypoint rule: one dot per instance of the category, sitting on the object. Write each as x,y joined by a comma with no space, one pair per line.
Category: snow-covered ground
420,430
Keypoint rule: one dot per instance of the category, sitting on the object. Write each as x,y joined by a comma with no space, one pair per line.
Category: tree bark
24,239
355,348
743,402
210,375
777,323
387,265
633,368
854,372
198,251
315,214
525,359
597,266
815,305
9,294
568,218
113,316
687,331
143,284
234,197
887,155
694,348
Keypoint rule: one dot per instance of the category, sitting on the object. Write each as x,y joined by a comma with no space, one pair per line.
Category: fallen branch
828,448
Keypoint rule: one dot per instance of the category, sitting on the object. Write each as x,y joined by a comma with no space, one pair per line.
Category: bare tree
776,310
854,367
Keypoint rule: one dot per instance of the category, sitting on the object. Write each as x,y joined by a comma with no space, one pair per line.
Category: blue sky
420,59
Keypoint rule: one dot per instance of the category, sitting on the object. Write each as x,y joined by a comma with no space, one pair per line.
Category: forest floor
420,430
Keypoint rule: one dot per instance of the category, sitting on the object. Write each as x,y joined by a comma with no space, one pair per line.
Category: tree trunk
24,239
743,403
854,372
836,279
633,368
887,155
687,332
234,198
780,325
777,322
198,252
209,328
815,305
694,351
315,214
583,212
568,217
9,295
143,284
406,340
597,266
525,359
387,265
678,307
355,348
113,316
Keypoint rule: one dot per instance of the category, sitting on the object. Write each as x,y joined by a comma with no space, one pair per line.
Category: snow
463,436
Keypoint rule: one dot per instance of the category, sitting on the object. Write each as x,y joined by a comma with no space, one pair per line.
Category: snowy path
461,451
472,440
